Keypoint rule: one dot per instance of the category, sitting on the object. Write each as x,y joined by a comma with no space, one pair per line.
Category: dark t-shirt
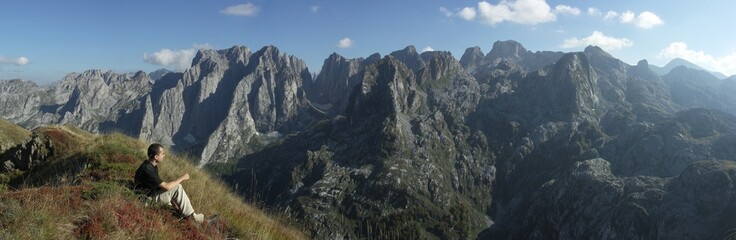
147,179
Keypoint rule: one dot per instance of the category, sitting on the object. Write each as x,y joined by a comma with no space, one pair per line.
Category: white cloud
427,49
177,59
627,17
594,12
446,12
610,15
598,39
18,61
564,9
247,9
527,12
345,43
725,64
314,9
467,13
645,20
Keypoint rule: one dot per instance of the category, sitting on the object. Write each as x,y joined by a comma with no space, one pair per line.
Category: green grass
11,135
96,202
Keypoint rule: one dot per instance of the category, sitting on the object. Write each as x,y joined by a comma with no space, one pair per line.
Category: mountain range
682,62
504,145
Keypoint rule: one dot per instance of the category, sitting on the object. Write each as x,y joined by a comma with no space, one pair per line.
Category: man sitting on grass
148,182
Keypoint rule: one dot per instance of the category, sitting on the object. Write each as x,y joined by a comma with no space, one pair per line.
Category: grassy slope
57,202
11,134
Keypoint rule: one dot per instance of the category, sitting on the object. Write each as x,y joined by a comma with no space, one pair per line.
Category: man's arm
169,185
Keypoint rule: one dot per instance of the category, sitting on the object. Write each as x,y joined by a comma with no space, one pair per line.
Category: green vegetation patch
11,135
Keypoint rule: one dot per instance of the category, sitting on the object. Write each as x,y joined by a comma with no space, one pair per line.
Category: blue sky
44,40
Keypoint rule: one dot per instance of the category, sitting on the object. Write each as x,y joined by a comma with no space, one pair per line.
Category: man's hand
169,185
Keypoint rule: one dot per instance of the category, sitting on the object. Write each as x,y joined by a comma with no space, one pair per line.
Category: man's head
156,152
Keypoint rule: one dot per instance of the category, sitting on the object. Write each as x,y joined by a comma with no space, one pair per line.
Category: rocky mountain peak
409,57
373,58
334,83
604,62
514,52
158,74
471,58
596,51
334,58
575,85
386,83
508,49
684,74
439,64
269,51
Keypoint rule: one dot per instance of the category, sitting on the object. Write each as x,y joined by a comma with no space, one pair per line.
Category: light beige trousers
178,198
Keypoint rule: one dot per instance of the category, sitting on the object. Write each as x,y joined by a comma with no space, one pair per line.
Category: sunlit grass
11,134
97,203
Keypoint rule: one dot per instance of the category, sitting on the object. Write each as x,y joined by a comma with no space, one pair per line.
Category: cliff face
226,98
330,91
401,151
213,109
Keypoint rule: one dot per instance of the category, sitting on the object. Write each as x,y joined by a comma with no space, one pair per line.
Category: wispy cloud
176,59
427,49
564,9
345,43
643,20
525,12
594,12
18,61
467,13
247,9
446,12
610,15
598,39
725,64
314,9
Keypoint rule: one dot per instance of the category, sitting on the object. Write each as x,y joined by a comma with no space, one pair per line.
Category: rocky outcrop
401,152
513,51
227,97
98,101
20,101
409,57
212,110
28,154
158,74
591,202
331,89
698,88
269,100
471,59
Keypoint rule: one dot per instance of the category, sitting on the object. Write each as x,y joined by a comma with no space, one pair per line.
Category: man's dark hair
154,150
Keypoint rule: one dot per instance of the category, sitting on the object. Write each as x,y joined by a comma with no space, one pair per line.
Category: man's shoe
198,217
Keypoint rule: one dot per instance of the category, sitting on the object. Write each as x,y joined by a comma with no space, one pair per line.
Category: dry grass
211,196
11,134
100,204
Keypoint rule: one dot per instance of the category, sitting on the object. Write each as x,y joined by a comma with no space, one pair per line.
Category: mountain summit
682,62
